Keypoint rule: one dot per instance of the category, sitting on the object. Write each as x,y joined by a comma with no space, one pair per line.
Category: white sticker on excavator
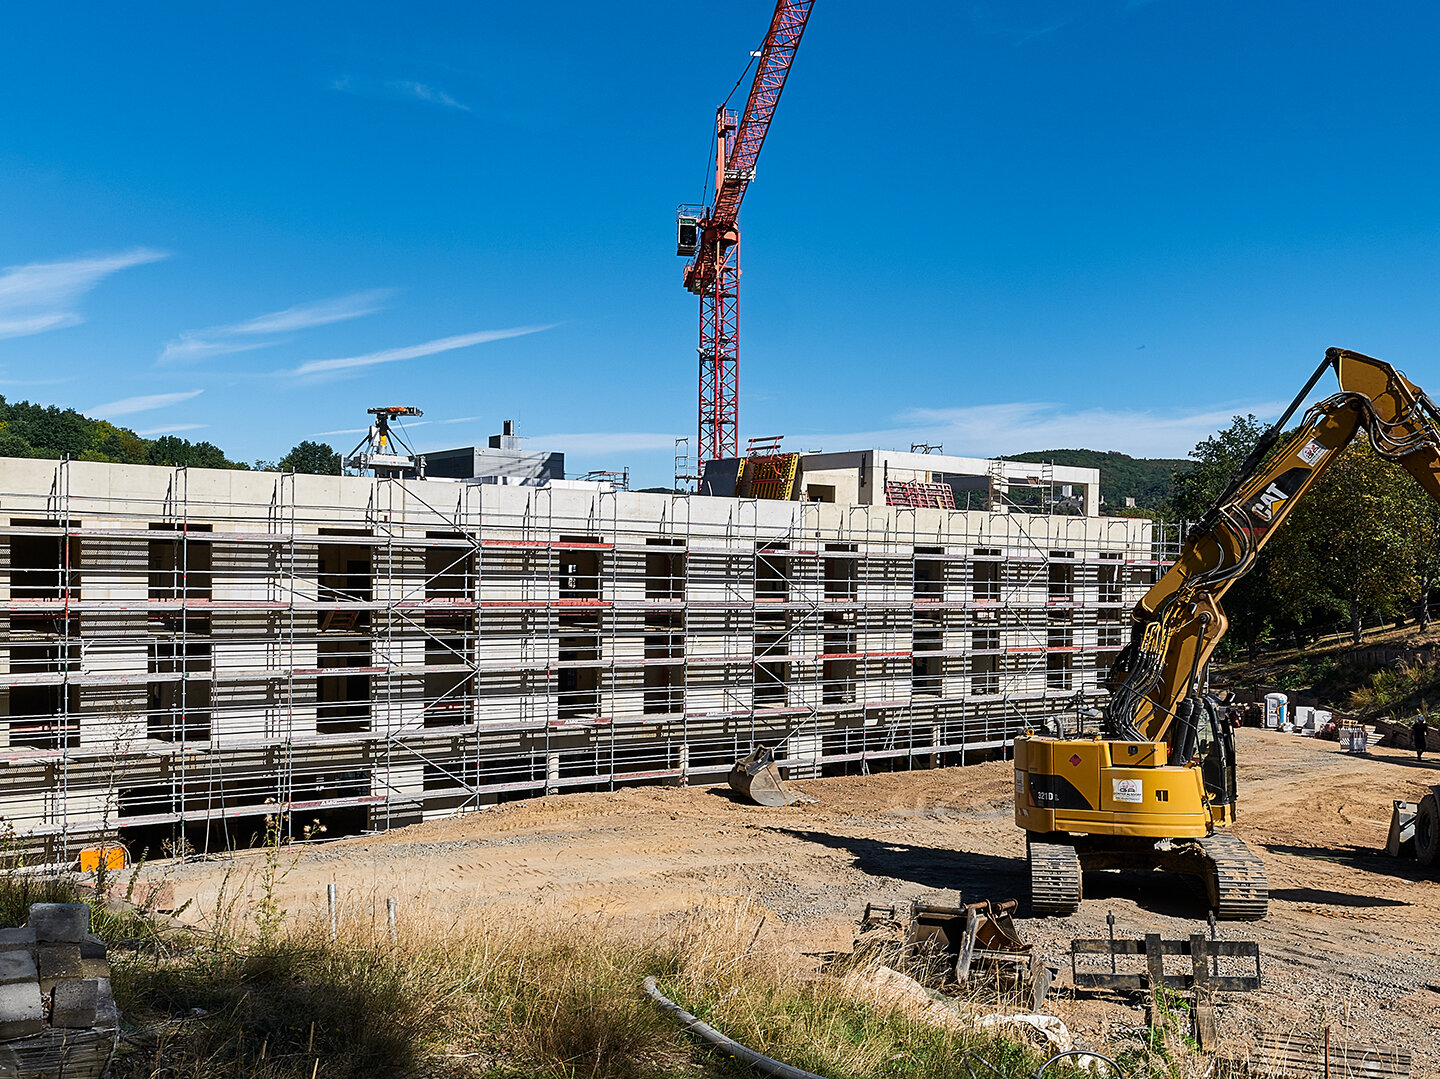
1312,452
1129,790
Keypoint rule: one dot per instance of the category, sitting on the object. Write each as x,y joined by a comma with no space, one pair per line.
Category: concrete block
107,1014
94,968
75,1004
58,962
17,966
21,1010
23,937
92,947
68,922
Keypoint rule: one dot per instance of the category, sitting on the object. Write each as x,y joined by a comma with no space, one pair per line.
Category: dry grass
495,991
507,992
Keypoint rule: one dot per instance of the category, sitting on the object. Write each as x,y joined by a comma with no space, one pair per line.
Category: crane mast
712,234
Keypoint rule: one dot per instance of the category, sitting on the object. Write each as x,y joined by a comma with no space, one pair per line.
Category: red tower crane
712,234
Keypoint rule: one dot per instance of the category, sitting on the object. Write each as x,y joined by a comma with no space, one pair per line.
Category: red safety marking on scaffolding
934,496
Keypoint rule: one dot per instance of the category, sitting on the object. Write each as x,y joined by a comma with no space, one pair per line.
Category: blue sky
1003,226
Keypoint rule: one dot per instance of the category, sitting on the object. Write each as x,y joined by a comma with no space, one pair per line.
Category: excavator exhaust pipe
756,777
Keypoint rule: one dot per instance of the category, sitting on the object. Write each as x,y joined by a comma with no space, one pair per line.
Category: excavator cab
1216,747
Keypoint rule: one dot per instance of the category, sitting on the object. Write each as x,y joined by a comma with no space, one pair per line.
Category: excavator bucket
945,927
1401,842
757,777
996,931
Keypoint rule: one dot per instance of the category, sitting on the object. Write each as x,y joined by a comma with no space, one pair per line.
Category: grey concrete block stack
57,1012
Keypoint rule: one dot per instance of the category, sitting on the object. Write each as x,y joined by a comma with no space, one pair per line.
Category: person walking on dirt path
1418,730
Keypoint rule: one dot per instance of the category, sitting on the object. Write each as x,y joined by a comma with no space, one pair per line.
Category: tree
1348,547
313,458
117,443
169,450
1147,480
12,445
1216,460
54,432
1423,528
208,455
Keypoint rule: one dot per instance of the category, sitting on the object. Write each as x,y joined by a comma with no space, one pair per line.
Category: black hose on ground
1087,1062
771,1066
693,1025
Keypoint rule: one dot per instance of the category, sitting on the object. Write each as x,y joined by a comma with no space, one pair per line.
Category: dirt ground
1352,939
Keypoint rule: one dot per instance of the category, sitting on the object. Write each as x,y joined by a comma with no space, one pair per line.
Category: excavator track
1055,886
1237,886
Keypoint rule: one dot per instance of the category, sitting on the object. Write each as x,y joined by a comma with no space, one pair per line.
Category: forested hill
30,430
1145,479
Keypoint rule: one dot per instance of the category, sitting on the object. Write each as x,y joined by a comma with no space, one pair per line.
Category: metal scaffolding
189,651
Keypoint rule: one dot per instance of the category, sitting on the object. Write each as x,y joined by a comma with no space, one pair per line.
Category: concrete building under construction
188,651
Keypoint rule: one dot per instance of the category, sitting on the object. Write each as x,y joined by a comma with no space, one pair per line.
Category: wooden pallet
1293,1056
1200,976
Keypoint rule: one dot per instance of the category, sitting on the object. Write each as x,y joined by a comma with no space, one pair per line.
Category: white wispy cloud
1016,427
241,336
362,430
411,352
429,94
34,381
406,426
144,403
397,90
170,429
605,441
983,18
42,296
1021,36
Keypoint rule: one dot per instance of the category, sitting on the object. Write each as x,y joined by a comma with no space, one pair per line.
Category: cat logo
1271,501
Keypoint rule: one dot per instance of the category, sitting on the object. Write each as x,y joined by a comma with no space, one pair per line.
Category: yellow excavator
1154,786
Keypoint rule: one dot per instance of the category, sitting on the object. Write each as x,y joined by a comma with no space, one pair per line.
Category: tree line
48,431
1363,543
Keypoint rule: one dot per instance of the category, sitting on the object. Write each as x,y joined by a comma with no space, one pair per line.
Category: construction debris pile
57,1012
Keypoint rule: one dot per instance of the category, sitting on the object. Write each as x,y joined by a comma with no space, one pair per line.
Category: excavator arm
1177,624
